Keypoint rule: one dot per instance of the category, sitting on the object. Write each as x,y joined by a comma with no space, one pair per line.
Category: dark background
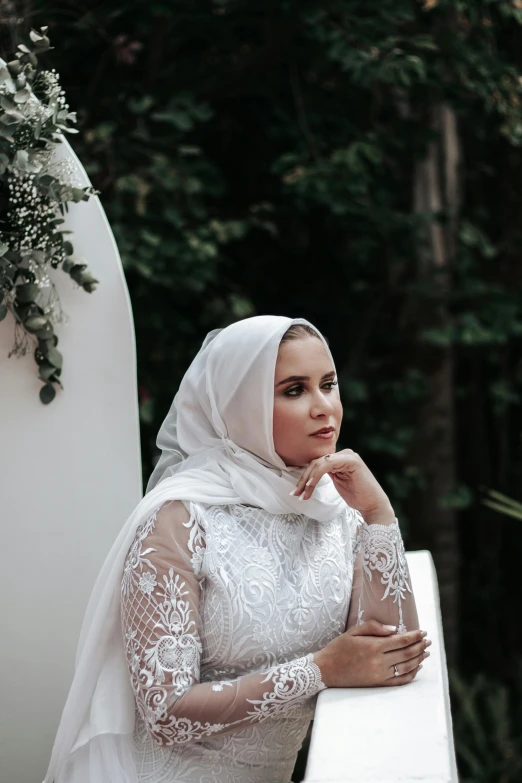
357,164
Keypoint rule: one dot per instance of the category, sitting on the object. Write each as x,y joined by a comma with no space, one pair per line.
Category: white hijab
217,448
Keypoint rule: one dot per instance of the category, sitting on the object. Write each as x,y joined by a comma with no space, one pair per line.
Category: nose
321,406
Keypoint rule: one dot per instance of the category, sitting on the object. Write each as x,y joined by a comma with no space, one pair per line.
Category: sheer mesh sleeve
161,629
381,583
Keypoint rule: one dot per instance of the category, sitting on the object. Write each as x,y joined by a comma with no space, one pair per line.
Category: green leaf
47,393
34,323
3,312
503,504
27,292
15,67
23,95
7,103
26,162
46,370
45,332
5,133
506,510
54,357
11,118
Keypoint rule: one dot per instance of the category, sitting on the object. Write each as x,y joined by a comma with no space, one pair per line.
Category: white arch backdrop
70,475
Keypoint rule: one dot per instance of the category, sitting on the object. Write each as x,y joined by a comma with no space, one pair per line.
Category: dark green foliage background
258,157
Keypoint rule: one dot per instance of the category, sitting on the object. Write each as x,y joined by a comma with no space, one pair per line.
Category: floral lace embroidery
228,636
136,560
292,682
165,662
218,686
196,543
383,551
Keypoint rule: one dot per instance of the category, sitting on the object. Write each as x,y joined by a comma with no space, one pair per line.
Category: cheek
286,418
338,410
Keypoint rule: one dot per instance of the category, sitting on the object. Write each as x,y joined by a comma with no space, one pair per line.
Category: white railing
391,735
70,474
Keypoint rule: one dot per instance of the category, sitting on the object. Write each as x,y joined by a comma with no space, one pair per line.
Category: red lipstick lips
325,432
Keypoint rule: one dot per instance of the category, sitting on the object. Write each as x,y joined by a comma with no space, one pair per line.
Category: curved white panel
70,475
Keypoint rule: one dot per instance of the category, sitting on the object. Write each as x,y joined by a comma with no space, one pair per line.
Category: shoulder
173,529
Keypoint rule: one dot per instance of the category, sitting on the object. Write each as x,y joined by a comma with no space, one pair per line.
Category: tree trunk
434,525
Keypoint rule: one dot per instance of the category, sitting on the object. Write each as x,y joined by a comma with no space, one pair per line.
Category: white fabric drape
217,449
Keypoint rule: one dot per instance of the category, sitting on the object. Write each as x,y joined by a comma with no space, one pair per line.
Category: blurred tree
356,164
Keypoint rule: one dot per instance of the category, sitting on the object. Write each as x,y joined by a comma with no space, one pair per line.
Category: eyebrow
295,378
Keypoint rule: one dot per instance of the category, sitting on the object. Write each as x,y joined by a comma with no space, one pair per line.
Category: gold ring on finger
396,671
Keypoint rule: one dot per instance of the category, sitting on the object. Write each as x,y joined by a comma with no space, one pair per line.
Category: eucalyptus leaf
27,292
5,76
11,117
46,370
10,85
26,162
23,95
47,393
54,357
5,133
35,323
7,103
45,332
14,67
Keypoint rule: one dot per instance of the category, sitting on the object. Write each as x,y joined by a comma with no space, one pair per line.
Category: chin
320,451
306,456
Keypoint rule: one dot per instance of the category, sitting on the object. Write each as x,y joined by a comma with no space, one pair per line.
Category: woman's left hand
353,480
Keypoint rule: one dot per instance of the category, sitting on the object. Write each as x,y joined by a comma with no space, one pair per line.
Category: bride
261,567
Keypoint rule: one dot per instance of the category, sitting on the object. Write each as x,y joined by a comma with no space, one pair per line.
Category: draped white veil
217,447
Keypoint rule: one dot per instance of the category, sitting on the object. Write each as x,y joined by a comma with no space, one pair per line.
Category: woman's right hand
364,657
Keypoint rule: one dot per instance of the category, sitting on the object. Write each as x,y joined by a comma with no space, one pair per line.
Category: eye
294,391
329,385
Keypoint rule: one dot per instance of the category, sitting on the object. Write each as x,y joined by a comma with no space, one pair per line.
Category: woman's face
306,402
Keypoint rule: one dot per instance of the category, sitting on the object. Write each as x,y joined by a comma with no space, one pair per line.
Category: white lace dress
222,610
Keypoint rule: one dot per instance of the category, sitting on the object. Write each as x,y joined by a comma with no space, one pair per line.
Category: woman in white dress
261,567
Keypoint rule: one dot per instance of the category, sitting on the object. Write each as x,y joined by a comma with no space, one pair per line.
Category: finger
406,653
324,465
299,487
402,679
406,666
372,628
402,640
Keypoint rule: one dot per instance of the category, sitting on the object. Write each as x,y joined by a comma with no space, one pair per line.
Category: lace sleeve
382,587
161,629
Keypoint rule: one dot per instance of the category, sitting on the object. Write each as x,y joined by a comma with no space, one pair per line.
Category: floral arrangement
35,191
